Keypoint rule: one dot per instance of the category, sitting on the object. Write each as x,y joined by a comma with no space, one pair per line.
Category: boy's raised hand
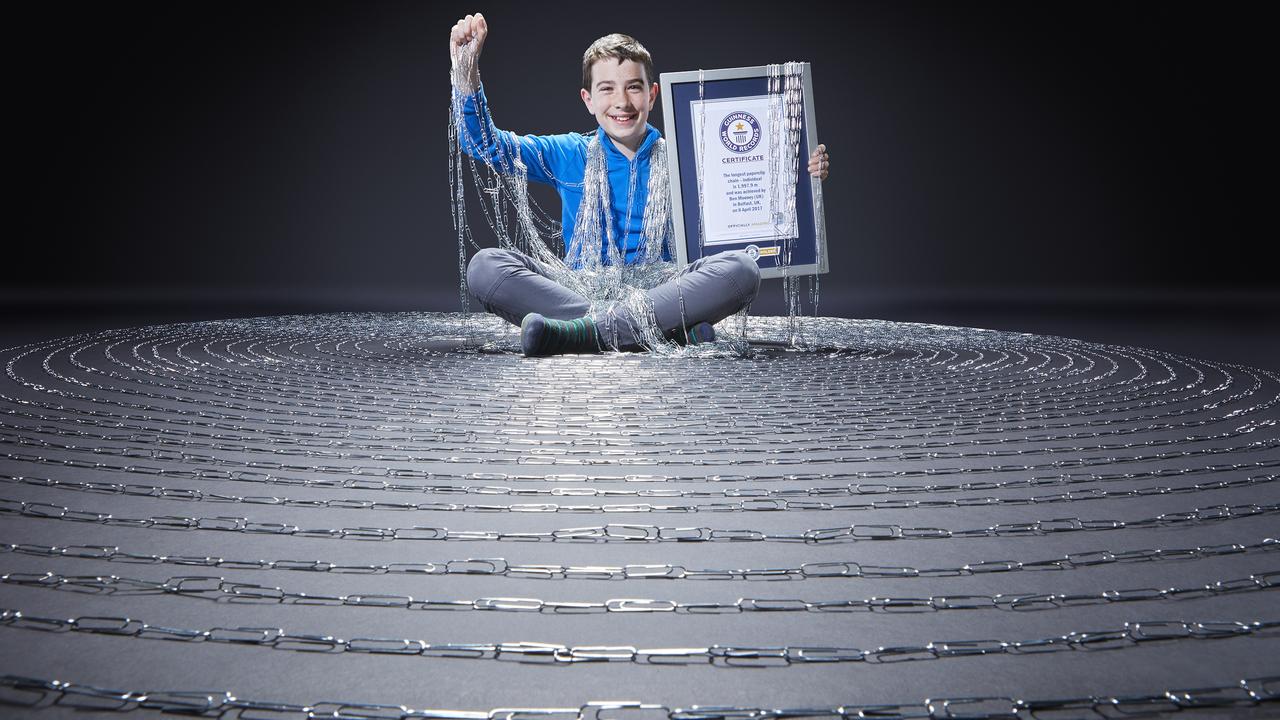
466,64
471,27
819,162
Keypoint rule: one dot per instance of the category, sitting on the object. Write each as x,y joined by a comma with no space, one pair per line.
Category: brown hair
622,47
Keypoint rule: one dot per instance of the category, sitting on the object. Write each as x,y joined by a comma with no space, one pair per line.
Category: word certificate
746,182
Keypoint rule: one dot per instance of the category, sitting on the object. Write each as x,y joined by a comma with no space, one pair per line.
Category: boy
619,89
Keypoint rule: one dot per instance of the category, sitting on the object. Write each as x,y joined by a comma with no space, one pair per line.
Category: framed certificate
731,182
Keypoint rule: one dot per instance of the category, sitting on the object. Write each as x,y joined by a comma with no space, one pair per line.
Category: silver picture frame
676,105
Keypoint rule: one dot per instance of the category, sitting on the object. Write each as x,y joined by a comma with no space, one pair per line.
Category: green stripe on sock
568,336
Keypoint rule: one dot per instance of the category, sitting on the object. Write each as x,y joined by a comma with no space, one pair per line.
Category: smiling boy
619,90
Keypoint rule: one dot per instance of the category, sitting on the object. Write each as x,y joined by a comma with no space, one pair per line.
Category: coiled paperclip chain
216,588
40,693
745,506
731,656
890,417
500,567
619,532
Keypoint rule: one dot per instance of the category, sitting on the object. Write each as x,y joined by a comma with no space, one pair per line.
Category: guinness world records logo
740,132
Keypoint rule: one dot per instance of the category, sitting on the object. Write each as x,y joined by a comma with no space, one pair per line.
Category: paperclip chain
41,693
744,506
208,587
618,532
866,417
500,567
1131,634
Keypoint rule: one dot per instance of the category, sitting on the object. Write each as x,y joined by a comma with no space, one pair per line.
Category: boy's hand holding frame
819,162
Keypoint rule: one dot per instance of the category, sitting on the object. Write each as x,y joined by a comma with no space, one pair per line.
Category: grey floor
1228,332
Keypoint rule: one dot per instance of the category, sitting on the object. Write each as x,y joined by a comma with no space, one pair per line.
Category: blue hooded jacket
561,161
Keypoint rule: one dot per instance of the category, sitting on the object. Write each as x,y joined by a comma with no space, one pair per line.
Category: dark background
990,160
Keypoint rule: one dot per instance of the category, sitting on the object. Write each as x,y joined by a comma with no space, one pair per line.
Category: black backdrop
295,153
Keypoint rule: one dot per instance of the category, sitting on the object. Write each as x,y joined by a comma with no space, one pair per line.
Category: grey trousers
508,284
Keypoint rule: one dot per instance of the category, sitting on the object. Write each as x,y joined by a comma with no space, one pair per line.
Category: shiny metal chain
634,442
582,485
33,693
202,370
196,368
500,567
731,656
695,459
547,452
211,587
305,385
888,417
618,532
748,505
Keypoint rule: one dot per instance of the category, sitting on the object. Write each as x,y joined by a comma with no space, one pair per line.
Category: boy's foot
700,333
541,336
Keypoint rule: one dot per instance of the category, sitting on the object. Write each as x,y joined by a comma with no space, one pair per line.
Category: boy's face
621,98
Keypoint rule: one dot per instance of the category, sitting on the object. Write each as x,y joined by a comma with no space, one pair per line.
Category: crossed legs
509,285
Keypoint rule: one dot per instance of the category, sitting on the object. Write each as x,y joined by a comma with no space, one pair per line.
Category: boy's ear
586,100
653,94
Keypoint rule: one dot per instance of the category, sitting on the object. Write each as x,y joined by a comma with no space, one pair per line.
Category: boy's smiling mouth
624,119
